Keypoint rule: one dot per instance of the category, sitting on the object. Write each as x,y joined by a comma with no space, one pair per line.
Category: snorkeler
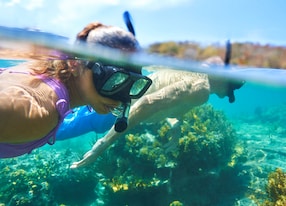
172,94
36,96
84,120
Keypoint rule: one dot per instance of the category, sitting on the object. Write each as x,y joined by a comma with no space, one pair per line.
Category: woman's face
100,104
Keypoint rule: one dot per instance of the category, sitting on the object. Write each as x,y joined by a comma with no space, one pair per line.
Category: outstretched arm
170,101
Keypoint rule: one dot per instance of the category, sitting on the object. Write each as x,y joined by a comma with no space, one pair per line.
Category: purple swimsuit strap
61,91
62,104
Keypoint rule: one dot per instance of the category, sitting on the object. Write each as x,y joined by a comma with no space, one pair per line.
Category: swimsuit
12,150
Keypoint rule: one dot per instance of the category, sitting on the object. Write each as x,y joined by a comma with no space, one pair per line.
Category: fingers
75,165
87,159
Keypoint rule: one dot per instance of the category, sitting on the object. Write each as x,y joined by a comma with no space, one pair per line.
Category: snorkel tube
121,122
128,21
227,57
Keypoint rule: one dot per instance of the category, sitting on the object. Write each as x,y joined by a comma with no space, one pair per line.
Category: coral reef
44,178
275,190
192,163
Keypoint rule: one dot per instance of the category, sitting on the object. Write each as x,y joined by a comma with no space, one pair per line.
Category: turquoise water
251,96
9,63
225,154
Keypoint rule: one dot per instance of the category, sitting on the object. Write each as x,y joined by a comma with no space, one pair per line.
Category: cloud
69,11
11,3
64,11
66,17
33,4
28,4
72,10
155,4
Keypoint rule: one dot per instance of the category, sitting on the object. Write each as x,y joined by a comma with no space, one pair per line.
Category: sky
203,21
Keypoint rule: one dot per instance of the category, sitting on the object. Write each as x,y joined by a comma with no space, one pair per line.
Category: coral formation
275,189
173,163
44,179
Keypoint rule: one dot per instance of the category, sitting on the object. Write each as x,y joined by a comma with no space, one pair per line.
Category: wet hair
93,33
53,68
110,36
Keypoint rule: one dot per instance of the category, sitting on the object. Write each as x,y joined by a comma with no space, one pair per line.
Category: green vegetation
158,165
245,54
45,179
275,190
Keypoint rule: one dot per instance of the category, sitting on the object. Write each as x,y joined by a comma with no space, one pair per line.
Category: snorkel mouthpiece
121,122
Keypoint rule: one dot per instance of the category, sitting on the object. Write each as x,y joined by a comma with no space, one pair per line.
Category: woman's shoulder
18,83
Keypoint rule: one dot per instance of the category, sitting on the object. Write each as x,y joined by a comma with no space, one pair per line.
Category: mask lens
139,87
115,81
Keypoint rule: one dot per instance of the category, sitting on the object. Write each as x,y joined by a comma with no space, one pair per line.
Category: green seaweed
173,165
275,190
43,178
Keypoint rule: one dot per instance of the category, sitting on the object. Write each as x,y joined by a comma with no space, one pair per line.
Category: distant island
243,54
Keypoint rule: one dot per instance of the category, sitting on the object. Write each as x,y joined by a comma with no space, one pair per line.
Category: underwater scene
222,154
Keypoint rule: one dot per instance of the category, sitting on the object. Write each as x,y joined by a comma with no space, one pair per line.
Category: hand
87,159
98,148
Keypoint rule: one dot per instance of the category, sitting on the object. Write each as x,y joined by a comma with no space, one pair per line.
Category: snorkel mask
119,84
